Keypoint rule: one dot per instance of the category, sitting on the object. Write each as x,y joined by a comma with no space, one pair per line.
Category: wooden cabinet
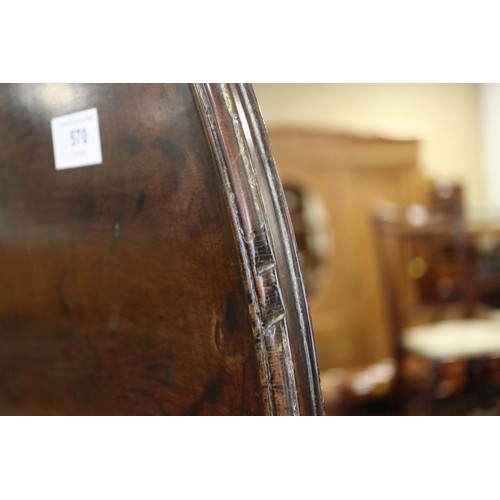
350,175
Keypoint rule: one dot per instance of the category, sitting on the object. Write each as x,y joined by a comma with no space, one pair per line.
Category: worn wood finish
131,287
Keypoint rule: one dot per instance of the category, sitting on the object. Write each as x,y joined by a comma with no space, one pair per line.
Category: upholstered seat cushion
493,314
454,339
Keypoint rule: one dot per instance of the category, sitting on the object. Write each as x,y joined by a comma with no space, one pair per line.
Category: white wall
446,117
490,126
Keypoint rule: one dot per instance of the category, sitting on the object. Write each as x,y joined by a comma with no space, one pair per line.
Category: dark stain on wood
174,154
139,204
131,144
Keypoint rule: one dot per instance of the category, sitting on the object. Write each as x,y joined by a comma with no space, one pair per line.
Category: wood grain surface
123,290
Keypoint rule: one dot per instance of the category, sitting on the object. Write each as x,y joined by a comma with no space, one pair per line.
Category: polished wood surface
140,285
350,174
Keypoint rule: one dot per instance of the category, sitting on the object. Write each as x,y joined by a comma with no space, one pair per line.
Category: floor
369,390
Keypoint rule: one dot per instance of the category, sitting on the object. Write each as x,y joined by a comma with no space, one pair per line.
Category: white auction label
76,139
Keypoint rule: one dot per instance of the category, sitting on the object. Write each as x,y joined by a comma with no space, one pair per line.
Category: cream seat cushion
493,314
454,339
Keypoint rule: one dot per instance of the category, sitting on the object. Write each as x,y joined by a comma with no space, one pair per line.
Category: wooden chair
160,279
429,286
445,196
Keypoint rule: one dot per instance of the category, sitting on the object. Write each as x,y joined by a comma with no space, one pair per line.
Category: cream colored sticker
76,139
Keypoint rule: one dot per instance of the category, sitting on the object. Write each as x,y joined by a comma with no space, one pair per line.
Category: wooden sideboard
349,175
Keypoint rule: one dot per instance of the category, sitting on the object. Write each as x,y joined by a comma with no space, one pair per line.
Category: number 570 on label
76,139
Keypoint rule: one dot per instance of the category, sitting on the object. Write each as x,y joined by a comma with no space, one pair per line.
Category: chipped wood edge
283,338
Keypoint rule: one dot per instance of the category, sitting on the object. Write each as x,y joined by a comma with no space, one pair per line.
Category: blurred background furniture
347,175
163,280
430,284
342,178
